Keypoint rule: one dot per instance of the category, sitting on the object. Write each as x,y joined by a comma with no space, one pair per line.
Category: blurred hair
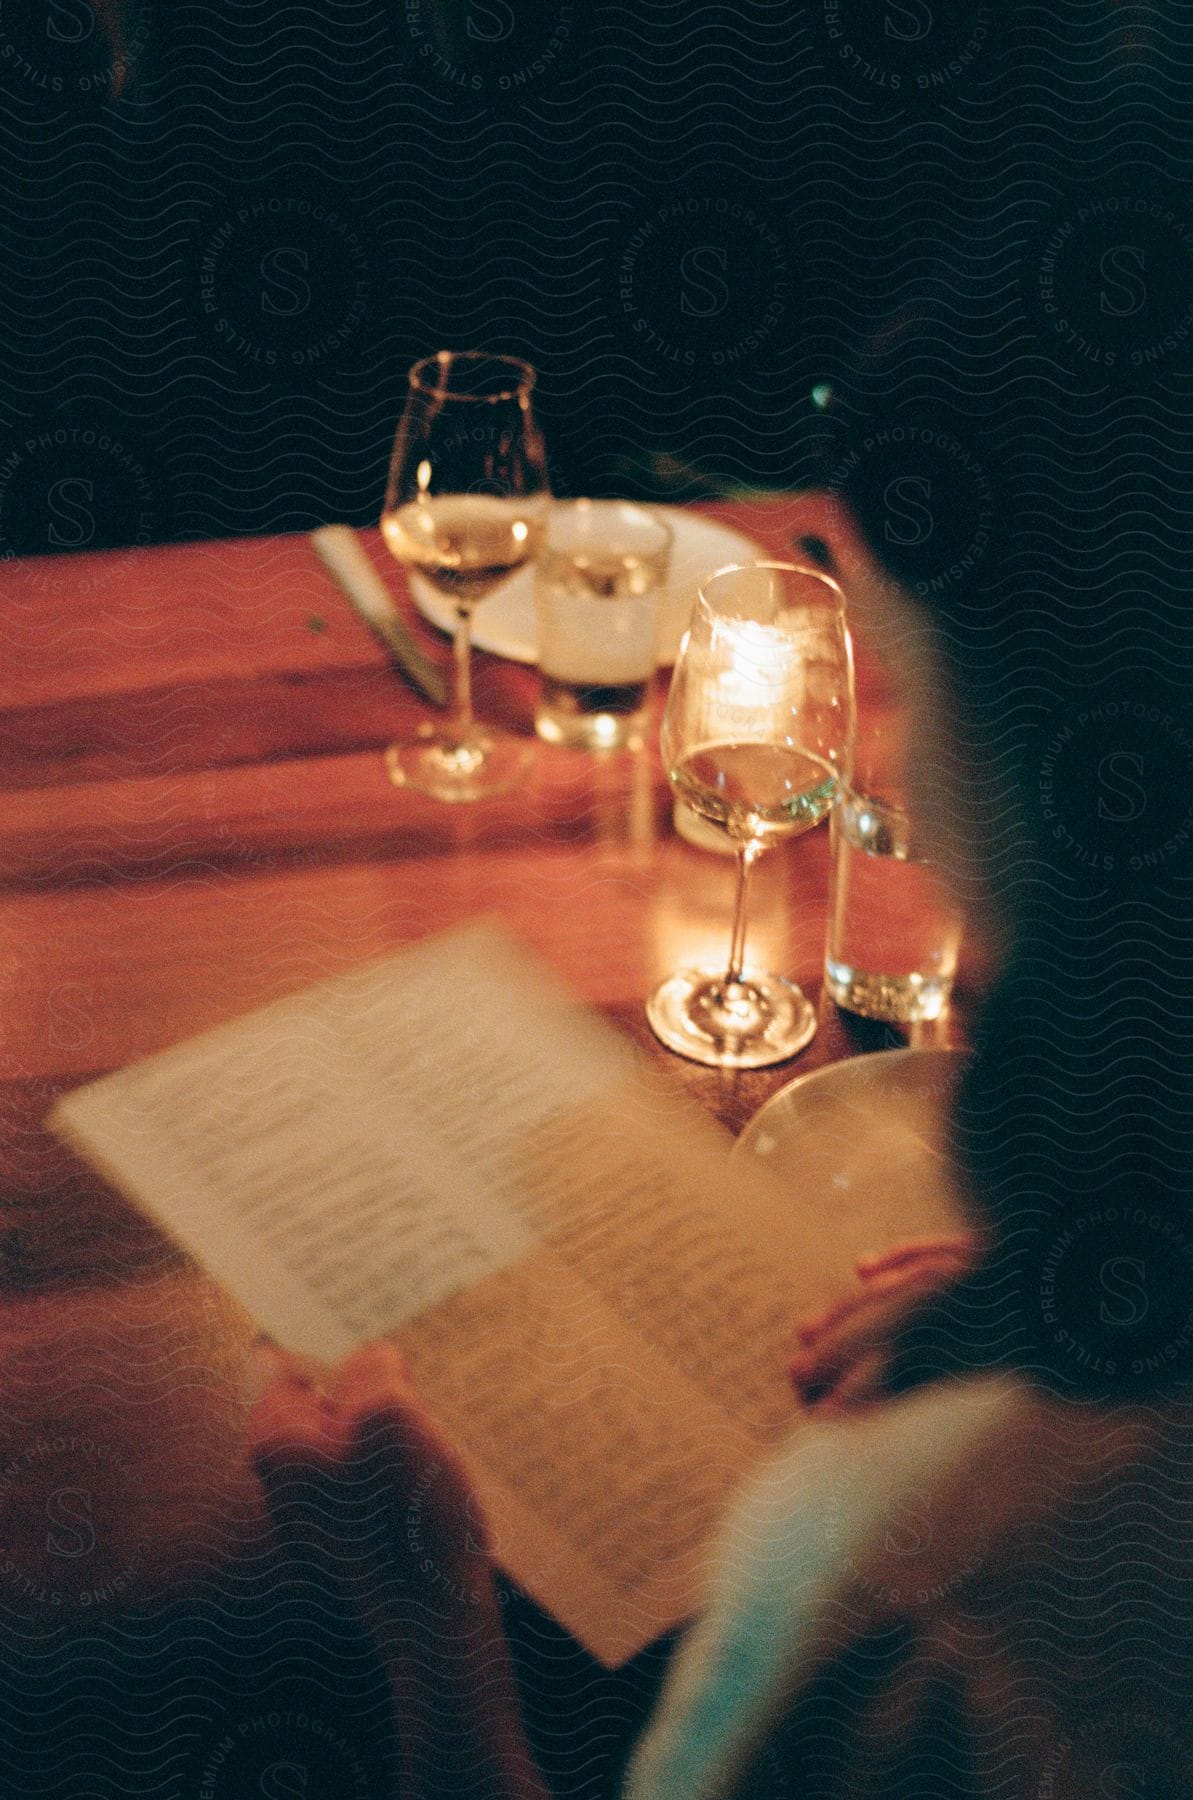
1051,570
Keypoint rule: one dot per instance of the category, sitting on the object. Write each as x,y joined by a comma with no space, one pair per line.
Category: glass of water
599,586
894,931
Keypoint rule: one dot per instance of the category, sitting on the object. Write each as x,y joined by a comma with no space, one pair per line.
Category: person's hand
358,1476
842,1351
362,1484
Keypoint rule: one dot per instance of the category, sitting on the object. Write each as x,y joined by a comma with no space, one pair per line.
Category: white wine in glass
760,791
465,506
465,544
756,739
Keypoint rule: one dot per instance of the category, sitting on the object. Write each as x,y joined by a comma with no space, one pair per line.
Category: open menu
446,1148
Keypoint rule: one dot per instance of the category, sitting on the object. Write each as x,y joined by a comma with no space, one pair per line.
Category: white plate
864,1140
505,623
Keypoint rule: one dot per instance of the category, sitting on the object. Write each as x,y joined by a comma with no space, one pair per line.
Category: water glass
894,931
599,586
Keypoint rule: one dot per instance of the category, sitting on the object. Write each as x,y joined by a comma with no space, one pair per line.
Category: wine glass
756,738
465,505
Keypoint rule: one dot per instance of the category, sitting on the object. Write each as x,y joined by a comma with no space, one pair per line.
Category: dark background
229,239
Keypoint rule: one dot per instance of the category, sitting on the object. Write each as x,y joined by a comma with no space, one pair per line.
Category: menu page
446,1148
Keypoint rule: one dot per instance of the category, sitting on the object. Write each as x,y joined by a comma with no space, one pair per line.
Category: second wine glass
756,739
464,506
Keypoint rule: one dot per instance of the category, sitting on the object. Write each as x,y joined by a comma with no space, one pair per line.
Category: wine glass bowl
465,505
756,738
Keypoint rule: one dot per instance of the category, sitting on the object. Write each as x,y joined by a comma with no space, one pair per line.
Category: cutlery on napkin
347,562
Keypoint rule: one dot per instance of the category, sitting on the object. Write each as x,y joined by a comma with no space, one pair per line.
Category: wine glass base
459,769
694,1014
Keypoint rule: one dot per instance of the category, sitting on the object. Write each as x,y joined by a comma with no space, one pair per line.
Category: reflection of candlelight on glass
750,700
760,678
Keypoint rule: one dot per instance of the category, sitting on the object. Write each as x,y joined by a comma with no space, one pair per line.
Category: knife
347,562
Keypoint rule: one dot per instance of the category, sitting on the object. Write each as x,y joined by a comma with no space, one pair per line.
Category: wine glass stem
462,666
747,855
